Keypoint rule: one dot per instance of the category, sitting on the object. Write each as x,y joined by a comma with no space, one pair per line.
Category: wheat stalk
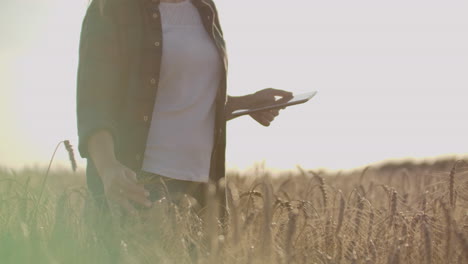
292,225
373,252
452,184
371,224
44,179
339,250
393,208
267,234
448,230
424,201
427,242
359,213
463,241
340,214
71,154
322,188
361,177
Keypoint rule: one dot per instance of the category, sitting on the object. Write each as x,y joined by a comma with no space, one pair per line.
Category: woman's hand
121,188
267,97
120,183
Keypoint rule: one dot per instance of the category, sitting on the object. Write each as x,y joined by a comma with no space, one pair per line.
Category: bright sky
391,76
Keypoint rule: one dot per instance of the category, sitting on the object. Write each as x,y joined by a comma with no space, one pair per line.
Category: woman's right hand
120,183
121,188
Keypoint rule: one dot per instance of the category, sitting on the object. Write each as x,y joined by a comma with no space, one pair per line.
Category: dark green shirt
118,76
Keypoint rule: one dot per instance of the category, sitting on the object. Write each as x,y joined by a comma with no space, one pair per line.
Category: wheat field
391,213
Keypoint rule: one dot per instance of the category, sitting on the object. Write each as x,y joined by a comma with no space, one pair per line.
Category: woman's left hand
266,97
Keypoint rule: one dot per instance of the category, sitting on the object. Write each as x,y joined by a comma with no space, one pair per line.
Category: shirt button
153,81
145,118
157,43
155,15
137,157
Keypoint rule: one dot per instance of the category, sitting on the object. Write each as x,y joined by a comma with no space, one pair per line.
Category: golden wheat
417,216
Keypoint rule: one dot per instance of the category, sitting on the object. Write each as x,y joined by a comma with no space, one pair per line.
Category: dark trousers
161,187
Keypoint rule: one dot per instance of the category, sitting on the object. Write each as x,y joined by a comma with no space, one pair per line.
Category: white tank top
181,134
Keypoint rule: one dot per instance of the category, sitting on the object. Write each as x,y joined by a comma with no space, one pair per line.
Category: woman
151,99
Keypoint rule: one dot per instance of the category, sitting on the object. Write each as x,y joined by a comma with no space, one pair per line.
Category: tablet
297,99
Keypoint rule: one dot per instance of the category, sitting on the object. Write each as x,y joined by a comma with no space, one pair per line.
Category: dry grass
396,213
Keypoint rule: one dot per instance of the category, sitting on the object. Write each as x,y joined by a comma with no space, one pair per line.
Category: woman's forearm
237,102
101,150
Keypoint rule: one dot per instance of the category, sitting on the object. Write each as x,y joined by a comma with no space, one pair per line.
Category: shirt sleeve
99,84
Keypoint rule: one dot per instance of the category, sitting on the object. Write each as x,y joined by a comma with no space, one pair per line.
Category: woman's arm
99,82
120,183
259,98
99,92
101,150
237,102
